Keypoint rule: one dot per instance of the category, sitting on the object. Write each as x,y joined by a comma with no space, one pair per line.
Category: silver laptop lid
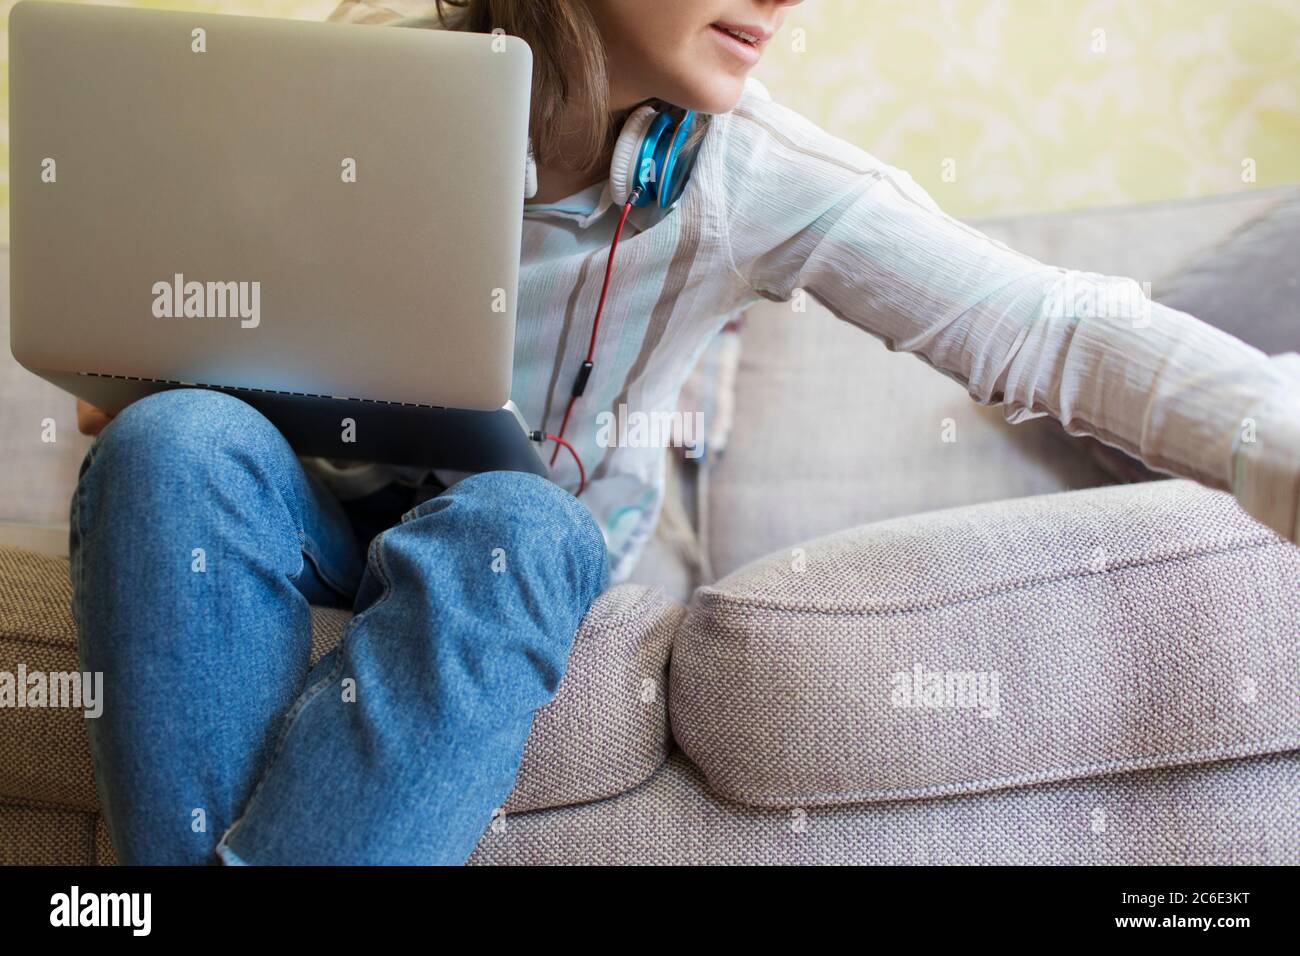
306,207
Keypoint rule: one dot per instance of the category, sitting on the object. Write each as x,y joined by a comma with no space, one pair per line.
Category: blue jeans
198,544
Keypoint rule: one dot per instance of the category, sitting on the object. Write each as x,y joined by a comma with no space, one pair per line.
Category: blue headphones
650,157
650,154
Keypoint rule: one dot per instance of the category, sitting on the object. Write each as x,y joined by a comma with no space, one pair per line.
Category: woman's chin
713,94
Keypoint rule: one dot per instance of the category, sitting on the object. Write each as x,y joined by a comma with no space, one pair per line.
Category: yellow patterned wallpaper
1001,106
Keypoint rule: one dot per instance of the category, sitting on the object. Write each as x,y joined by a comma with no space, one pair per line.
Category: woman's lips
747,52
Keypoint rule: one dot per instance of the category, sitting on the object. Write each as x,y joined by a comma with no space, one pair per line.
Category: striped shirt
778,209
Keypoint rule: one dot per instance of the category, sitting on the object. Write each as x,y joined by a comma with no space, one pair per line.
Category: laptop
322,219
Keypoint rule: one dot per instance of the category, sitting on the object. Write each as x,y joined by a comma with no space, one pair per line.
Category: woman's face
682,51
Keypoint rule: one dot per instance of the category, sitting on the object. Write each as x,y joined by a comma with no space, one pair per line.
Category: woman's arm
807,211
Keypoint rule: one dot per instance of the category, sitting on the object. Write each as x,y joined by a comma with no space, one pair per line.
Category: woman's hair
569,74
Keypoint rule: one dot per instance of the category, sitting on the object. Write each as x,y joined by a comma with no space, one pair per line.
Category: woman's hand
90,420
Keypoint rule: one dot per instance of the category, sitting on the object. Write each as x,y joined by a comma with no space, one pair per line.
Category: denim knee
187,421
531,517
186,457
187,432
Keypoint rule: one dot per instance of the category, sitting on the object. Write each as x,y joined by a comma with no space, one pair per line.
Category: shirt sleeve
804,210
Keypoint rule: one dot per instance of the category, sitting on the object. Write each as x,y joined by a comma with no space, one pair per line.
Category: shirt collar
583,207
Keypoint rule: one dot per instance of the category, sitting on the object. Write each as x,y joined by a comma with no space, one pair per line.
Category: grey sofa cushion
605,731
1249,284
1147,241
1125,627
1235,812
833,430
607,728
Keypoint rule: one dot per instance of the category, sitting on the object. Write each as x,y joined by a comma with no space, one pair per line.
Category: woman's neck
554,184
562,178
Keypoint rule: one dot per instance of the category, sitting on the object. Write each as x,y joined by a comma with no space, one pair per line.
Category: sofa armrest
991,646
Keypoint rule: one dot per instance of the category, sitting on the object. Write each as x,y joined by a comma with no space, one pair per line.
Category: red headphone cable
582,472
584,372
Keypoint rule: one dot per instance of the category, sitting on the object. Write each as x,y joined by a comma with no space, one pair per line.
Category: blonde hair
569,74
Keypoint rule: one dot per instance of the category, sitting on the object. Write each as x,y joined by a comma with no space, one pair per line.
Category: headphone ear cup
674,166
622,168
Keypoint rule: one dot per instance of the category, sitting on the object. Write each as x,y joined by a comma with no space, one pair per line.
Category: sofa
877,625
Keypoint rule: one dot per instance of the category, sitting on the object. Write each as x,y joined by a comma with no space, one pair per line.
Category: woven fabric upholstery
607,728
605,731
1127,627
1240,811
46,835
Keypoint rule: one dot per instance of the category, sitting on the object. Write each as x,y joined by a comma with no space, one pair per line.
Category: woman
398,746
